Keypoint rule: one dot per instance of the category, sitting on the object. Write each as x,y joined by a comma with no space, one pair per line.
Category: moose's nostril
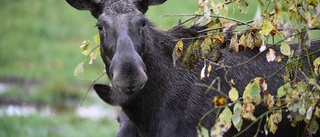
131,88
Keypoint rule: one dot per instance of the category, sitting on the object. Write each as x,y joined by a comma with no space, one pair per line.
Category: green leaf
243,6
252,91
314,126
203,132
236,118
224,120
79,69
281,92
285,48
96,39
233,94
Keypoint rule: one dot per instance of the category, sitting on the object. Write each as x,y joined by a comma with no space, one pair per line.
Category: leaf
252,91
313,127
243,41
84,45
79,69
257,21
316,64
312,2
267,27
233,94
192,55
255,93
248,109
263,47
268,101
229,28
285,48
273,121
96,39
203,70
93,56
215,48
209,69
283,90
236,118
261,3
216,131
271,55
224,120
309,113
243,6
203,132
85,52
234,46
177,51
250,41
205,47
219,101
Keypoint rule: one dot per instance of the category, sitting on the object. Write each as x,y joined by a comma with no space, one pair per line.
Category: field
39,49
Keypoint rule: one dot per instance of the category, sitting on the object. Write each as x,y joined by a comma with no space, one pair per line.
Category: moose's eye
143,23
99,27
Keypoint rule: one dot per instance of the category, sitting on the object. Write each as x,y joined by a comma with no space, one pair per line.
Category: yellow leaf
267,27
85,52
268,101
243,41
233,94
209,70
84,45
273,121
219,101
248,109
316,65
93,56
234,46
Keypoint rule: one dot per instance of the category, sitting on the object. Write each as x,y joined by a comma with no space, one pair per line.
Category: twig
93,82
215,16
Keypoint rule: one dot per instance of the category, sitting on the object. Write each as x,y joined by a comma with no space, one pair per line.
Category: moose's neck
160,102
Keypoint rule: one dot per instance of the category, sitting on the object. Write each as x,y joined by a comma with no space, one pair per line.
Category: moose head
122,29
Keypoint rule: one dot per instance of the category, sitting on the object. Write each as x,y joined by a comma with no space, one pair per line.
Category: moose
159,99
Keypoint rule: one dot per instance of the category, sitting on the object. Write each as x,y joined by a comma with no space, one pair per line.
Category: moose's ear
94,6
104,92
143,5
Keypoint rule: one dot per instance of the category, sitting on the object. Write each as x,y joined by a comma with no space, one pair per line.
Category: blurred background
39,50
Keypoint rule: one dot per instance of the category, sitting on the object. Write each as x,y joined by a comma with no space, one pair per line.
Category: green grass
39,41
55,126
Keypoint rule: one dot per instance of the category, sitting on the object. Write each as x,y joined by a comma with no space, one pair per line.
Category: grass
50,126
39,41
